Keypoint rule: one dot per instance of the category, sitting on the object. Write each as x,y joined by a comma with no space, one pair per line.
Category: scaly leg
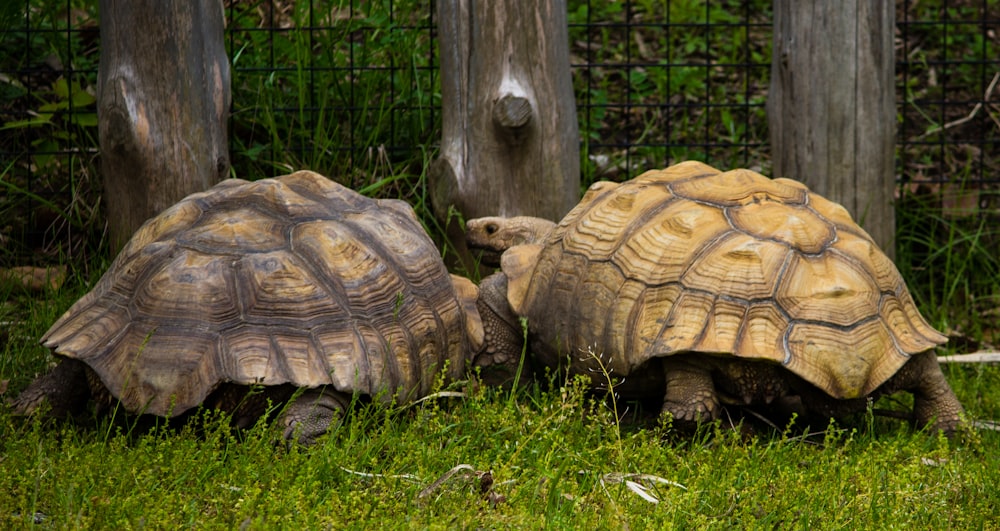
933,399
690,395
64,389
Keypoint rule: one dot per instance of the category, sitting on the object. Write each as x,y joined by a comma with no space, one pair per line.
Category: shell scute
277,288
192,288
762,334
738,266
799,228
241,230
740,187
597,232
827,289
846,363
656,251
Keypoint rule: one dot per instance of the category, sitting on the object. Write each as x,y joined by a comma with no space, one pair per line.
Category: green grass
547,450
555,458
335,99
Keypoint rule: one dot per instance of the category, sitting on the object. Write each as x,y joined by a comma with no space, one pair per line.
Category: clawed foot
690,396
690,413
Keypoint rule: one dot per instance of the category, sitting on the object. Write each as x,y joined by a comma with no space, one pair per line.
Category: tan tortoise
711,288
288,283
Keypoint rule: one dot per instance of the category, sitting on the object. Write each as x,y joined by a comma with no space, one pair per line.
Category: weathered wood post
510,142
163,99
831,105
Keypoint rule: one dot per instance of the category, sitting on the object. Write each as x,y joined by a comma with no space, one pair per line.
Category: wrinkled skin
494,235
695,386
491,236
498,361
66,390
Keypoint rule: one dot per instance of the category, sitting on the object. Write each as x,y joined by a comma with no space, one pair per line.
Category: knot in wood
512,112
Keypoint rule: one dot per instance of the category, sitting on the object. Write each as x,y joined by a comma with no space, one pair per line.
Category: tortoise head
494,235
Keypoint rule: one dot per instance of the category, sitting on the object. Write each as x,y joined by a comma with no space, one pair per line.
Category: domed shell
690,259
289,280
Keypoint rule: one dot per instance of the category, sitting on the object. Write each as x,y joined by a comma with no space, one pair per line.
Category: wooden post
163,99
510,142
831,105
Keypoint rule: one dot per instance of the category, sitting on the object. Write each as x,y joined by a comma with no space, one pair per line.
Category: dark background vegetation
350,89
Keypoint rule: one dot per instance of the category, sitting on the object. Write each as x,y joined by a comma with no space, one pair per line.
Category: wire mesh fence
350,89
669,81
948,68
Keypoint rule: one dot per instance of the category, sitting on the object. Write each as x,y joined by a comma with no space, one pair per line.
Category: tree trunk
163,99
831,105
510,141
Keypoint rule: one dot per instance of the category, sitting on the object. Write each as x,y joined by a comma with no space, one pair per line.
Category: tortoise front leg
690,395
65,389
504,341
933,399
311,414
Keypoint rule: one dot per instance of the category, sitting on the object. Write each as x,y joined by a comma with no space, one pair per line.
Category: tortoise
708,288
295,284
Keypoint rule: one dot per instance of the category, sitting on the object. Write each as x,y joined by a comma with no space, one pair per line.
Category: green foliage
48,122
331,96
686,102
949,257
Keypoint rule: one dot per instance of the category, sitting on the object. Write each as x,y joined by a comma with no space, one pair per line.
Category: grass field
555,459
552,456
559,458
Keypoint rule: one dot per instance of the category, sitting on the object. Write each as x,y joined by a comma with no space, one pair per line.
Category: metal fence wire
350,89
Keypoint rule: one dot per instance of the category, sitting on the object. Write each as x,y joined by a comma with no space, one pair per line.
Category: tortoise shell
690,259
292,280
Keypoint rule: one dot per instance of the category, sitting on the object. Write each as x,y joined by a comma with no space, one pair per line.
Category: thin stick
410,477
972,114
439,394
447,475
975,357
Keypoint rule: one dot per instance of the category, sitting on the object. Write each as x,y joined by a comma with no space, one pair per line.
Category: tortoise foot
690,396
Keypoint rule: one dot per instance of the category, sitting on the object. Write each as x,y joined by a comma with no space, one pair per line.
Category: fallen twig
972,114
955,123
409,477
991,425
440,481
485,483
439,394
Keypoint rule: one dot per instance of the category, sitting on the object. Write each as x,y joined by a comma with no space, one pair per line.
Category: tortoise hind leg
933,399
65,389
311,414
690,395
